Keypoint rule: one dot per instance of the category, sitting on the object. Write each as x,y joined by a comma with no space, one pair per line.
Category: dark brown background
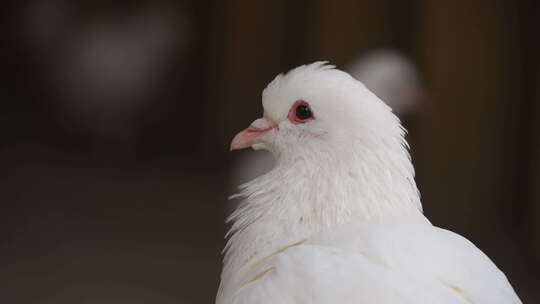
95,217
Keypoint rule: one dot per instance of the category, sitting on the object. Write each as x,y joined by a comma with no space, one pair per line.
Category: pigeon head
333,140
317,109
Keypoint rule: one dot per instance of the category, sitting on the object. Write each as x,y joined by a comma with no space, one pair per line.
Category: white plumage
339,218
389,74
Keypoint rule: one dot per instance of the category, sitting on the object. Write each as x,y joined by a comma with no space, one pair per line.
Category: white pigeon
339,218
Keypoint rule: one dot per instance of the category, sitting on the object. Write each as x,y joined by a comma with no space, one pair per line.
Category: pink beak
252,135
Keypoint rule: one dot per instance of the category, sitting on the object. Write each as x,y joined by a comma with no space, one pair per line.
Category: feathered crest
306,70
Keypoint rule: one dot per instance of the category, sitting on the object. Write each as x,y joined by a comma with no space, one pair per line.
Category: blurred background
116,118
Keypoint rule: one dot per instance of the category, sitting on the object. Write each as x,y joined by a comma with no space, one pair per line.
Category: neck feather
317,187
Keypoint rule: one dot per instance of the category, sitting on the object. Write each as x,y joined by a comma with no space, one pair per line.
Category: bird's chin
259,146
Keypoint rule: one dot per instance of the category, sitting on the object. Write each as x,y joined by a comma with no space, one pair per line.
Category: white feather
339,219
377,263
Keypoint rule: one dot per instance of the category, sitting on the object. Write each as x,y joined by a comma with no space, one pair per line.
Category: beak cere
252,135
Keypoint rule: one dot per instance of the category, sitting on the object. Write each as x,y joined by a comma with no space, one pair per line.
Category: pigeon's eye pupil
303,112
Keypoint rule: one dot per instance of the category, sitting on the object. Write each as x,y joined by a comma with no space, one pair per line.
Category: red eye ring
300,112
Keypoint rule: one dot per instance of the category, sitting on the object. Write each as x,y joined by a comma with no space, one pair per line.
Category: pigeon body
339,218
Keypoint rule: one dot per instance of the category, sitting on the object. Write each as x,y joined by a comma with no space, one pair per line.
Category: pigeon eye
300,112
303,112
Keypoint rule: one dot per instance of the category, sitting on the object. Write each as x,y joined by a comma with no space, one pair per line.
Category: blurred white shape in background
388,73
393,78
107,69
